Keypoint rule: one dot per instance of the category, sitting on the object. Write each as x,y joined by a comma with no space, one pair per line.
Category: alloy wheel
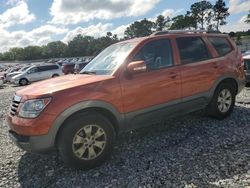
89,142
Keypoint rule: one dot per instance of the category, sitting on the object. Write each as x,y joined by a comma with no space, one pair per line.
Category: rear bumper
34,144
241,85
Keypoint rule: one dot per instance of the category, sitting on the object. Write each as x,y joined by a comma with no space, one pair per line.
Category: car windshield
24,68
109,59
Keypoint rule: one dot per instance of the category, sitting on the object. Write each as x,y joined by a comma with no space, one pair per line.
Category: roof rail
182,31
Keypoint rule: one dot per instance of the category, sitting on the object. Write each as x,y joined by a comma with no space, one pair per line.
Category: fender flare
61,118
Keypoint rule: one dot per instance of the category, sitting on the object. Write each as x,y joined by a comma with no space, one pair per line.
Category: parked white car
11,74
36,73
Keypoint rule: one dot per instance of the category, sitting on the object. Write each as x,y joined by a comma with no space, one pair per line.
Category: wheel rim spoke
99,144
88,130
78,140
92,153
79,152
98,133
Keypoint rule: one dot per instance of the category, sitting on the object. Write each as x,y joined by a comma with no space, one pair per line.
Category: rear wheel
86,140
23,82
223,101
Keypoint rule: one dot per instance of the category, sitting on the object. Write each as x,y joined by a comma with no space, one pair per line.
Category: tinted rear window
48,67
221,45
192,49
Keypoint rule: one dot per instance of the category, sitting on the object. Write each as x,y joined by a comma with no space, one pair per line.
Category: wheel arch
231,79
100,107
23,78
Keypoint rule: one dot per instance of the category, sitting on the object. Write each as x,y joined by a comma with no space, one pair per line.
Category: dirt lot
191,151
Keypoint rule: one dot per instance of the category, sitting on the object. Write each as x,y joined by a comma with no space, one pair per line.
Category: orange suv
130,84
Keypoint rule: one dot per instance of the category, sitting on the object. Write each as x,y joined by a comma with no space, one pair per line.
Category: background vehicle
130,84
8,76
247,67
36,73
68,68
1,81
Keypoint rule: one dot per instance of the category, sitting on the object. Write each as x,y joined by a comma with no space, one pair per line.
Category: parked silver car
11,74
36,73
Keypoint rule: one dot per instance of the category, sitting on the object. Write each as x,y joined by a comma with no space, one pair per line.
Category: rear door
198,68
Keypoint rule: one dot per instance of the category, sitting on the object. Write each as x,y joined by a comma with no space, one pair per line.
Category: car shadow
191,150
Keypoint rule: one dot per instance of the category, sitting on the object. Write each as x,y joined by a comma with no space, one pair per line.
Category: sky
37,22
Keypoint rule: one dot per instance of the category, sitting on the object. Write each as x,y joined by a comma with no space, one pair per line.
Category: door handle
172,75
215,65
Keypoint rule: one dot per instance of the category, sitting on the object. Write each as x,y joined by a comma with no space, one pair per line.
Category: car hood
16,72
17,75
50,86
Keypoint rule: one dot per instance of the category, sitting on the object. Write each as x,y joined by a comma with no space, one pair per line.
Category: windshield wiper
88,72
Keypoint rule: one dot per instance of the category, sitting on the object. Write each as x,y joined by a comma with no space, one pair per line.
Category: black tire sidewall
71,127
55,75
20,82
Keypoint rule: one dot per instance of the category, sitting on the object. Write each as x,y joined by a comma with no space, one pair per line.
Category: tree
248,18
55,49
183,22
220,13
232,34
17,53
139,29
32,52
238,39
201,12
161,23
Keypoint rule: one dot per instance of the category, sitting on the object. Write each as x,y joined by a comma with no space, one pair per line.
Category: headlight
32,108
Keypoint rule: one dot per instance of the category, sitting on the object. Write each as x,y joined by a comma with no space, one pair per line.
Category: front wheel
23,82
55,75
86,140
223,101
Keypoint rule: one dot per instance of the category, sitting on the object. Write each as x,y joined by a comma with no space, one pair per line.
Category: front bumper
32,135
14,81
34,144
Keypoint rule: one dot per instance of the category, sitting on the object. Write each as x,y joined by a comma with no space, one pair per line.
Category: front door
151,90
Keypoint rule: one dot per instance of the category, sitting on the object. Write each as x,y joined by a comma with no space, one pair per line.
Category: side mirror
136,67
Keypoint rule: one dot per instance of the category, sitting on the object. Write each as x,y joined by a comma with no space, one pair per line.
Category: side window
54,67
156,54
192,49
221,45
47,68
33,70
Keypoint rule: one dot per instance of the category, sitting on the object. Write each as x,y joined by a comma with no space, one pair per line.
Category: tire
55,75
81,148
23,82
223,101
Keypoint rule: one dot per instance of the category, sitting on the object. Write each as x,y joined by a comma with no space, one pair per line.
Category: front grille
14,105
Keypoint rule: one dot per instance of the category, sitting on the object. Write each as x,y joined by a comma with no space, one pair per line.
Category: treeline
79,46
202,15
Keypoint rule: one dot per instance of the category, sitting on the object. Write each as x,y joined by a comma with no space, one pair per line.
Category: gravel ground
191,151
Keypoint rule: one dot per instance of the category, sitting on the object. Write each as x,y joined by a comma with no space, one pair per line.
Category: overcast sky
37,22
